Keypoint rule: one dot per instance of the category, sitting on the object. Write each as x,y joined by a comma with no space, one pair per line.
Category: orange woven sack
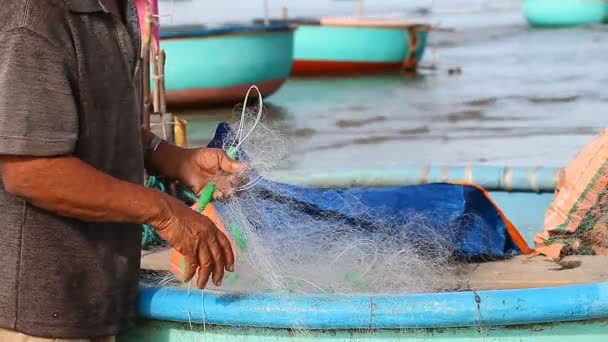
575,222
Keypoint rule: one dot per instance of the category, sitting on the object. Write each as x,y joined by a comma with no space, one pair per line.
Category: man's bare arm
71,188
68,186
165,160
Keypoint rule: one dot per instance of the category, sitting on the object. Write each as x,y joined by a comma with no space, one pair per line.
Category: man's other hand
204,247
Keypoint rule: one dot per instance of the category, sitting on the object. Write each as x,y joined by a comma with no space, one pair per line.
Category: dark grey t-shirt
69,84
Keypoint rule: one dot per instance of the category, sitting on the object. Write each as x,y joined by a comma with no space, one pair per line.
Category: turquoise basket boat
216,66
547,13
540,305
353,46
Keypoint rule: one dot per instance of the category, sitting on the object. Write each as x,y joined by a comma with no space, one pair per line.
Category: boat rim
436,310
201,31
535,179
349,22
373,23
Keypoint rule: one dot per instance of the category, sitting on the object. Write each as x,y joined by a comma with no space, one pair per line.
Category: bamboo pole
156,80
155,102
146,50
162,57
156,94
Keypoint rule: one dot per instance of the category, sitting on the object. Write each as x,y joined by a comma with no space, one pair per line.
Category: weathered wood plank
156,259
516,273
530,272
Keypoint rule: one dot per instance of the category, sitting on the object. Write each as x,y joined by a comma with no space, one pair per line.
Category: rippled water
524,97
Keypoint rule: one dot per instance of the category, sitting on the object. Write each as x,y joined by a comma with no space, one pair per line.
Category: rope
149,237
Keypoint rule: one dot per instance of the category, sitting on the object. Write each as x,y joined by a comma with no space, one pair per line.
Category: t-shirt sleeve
38,113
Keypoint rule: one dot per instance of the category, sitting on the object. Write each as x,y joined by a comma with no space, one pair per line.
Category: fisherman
72,157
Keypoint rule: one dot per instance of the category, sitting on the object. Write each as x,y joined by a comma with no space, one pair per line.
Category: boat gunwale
350,23
166,37
471,308
375,23
491,178
567,303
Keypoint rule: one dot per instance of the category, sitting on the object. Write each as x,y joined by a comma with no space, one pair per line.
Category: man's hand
197,167
204,247
64,185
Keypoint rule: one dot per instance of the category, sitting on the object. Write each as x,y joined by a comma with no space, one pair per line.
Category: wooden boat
523,299
335,46
544,13
213,66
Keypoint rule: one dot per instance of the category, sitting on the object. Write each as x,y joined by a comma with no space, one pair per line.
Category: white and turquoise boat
547,13
509,304
212,66
355,46
335,46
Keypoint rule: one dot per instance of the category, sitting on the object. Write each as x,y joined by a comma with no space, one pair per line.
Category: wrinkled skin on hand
205,248
197,167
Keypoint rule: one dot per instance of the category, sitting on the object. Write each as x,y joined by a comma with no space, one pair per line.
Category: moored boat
547,13
336,46
505,304
214,66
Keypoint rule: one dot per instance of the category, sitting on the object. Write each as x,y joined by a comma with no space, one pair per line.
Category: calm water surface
524,96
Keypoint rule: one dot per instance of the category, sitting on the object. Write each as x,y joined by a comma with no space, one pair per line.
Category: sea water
524,96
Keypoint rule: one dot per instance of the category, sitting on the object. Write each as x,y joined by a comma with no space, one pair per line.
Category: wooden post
156,80
147,37
161,74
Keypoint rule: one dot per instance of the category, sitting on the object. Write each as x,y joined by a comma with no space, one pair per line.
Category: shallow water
524,96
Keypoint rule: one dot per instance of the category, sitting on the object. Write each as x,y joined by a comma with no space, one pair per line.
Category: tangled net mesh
286,248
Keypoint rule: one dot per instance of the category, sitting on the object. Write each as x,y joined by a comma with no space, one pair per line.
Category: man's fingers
218,260
191,266
227,250
225,186
205,265
229,165
218,195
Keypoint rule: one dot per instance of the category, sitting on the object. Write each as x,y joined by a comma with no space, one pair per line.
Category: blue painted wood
192,31
555,13
352,44
218,63
526,210
438,310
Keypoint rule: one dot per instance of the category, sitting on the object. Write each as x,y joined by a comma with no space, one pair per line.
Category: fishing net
292,239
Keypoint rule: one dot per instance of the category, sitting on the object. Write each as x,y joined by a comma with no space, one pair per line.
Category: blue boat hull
211,67
555,13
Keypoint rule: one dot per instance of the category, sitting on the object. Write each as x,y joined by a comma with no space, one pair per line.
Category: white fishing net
286,244
290,248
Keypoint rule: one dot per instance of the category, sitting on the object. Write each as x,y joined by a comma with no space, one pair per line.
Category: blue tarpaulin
477,229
